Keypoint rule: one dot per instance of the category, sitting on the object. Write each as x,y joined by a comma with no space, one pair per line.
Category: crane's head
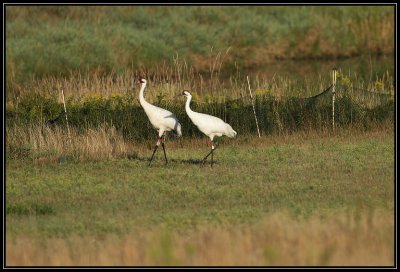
186,93
142,80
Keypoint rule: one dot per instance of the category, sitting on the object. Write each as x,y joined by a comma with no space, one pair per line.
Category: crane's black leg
211,153
155,149
163,146
212,158
154,152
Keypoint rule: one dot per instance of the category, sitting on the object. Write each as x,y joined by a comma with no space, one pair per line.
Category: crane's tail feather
178,129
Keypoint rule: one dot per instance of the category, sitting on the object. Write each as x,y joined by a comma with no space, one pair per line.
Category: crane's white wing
208,124
162,118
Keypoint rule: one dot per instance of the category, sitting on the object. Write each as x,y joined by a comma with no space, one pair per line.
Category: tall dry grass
278,240
44,144
165,82
54,144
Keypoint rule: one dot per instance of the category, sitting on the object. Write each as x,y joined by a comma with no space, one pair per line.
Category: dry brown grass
47,144
278,240
163,81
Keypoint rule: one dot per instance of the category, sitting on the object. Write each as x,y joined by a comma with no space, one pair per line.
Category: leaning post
334,72
66,118
254,110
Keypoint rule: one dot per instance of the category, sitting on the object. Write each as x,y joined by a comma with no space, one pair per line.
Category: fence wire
270,111
365,97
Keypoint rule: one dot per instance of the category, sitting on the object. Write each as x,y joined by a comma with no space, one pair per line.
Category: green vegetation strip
43,41
299,175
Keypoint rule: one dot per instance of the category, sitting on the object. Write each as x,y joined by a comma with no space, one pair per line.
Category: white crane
161,119
210,125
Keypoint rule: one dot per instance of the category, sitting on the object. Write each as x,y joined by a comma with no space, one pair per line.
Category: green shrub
274,116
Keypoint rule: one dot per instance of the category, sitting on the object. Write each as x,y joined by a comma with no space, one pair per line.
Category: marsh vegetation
301,194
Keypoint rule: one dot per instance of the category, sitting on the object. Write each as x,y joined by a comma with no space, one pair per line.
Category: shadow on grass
194,162
135,157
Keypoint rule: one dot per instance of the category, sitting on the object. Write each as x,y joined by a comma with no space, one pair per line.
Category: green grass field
303,180
54,40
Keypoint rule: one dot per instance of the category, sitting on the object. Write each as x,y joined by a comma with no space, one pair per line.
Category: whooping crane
210,125
161,119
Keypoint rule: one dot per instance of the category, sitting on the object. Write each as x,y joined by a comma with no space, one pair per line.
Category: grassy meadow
302,194
300,199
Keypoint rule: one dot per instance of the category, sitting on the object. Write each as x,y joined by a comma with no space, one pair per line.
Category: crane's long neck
187,106
143,102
